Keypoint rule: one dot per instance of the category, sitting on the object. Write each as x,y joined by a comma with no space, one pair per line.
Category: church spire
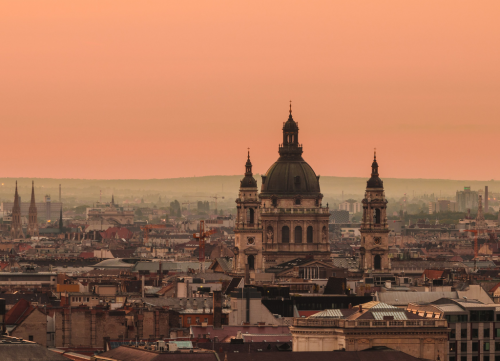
33,215
248,181
32,193
375,181
248,165
16,228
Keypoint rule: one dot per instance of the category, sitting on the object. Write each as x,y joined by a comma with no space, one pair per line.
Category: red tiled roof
86,255
433,274
18,312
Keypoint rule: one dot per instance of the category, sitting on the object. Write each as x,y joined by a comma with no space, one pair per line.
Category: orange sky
161,89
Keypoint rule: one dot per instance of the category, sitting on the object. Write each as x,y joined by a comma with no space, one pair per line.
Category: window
453,346
285,234
475,358
475,333
456,318
463,358
30,337
250,216
310,234
463,333
197,320
497,346
481,316
486,333
453,333
180,321
475,346
205,320
486,346
497,357
463,346
189,320
497,332
452,358
486,358
298,234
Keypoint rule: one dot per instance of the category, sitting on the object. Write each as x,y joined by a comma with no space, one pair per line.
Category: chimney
188,303
195,304
2,315
217,309
204,305
485,199
360,308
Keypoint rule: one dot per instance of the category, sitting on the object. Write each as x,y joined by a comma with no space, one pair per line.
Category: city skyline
126,90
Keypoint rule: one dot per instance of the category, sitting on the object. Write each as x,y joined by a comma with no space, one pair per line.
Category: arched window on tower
376,216
250,215
377,262
285,234
310,234
298,234
251,262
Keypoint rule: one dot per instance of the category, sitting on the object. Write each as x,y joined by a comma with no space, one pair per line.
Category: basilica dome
290,174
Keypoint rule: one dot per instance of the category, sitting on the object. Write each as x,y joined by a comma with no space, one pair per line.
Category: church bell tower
374,227
248,227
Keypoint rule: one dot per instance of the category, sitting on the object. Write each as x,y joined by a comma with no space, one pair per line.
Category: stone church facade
288,213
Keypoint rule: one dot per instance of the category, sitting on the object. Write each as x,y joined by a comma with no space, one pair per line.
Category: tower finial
375,153
290,107
248,153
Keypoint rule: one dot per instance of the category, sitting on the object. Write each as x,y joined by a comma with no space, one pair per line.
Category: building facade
372,324
466,199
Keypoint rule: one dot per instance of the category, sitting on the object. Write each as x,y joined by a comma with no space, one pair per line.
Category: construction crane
149,227
201,235
213,197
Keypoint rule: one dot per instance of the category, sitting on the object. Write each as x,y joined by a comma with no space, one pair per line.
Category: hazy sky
161,89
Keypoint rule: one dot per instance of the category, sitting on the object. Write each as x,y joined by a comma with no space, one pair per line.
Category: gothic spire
32,193
113,199
16,199
248,181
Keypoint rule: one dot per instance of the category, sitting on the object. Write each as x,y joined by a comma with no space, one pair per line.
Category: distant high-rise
33,217
16,230
466,199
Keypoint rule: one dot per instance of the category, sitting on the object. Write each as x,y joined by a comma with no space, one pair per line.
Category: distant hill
80,191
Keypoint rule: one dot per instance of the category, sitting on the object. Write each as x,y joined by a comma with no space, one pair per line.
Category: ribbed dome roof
290,176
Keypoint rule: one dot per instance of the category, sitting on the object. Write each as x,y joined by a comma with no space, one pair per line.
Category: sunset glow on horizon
166,89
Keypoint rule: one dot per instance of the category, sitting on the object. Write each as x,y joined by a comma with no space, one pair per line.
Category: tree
138,212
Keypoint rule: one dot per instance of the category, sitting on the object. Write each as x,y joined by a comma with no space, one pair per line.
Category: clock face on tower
250,240
377,240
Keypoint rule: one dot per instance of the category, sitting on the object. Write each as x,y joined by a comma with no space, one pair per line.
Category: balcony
300,322
294,210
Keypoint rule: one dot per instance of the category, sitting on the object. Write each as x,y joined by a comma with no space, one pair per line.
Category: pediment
251,250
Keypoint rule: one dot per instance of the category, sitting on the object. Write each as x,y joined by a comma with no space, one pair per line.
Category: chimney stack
217,309
486,199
